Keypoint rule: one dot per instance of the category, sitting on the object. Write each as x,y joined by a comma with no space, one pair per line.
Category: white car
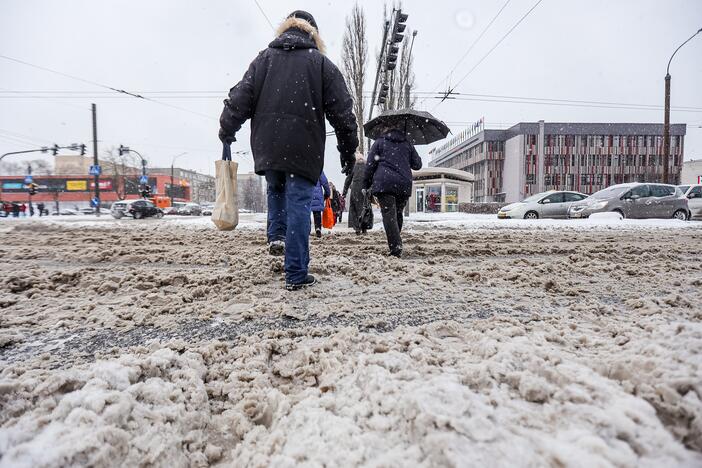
693,193
551,204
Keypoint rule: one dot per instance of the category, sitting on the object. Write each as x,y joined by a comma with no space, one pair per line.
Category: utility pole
666,117
95,161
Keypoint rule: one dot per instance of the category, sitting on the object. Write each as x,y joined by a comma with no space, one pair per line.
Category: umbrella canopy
420,127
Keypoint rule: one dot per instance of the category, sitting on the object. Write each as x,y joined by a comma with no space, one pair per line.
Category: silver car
551,204
693,193
635,200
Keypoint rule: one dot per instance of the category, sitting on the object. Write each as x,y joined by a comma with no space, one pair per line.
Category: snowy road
494,342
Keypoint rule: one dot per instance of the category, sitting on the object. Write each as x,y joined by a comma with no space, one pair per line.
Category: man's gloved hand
347,163
226,139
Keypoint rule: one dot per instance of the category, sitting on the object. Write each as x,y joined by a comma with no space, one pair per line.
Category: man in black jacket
287,92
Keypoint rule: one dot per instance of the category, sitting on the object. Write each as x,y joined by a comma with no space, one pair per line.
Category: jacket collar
296,33
395,135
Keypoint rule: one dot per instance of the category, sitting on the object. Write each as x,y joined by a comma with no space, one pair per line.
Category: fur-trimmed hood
286,36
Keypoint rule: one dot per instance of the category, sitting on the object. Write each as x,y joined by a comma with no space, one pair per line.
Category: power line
264,15
561,104
34,140
482,33
100,85
492,49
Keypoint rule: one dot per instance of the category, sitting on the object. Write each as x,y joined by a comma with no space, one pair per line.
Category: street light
666,118
172,164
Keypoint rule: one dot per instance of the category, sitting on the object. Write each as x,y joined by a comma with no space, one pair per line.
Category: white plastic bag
226,211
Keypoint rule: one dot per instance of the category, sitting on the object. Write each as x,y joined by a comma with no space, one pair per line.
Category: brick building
532,157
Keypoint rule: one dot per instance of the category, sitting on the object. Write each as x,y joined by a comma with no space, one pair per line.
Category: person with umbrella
391,161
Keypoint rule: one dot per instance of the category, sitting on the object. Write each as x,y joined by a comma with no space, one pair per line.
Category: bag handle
226,152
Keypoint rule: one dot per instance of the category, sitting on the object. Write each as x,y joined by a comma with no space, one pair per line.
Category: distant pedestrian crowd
22,210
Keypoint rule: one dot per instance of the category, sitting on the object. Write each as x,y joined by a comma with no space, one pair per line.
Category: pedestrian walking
40,207
287,92
23,210
354,183
322,191
342,207
335,202
15,210
389,178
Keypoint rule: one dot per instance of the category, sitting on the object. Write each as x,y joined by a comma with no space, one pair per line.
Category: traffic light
55,149
145,191
400,26
32,188
123,149
383,94
82,150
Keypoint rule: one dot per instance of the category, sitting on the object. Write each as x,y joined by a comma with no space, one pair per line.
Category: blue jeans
289,207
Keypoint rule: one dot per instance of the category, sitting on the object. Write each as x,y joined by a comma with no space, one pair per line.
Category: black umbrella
420,127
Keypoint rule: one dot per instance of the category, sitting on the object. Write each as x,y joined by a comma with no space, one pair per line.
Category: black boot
307,282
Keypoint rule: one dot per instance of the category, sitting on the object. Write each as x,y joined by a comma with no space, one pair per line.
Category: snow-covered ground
492,343
414,221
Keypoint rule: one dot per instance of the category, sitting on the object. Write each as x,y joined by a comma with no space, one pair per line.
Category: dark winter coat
390,163
354,182
287,91
321,191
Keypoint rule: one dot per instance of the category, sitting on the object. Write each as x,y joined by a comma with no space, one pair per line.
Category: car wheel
159,215
620,212
531,215
117,215
137,215
681,215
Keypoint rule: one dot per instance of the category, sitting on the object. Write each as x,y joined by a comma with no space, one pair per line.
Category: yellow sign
76,185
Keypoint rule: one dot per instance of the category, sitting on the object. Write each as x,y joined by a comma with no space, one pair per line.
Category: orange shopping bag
328,215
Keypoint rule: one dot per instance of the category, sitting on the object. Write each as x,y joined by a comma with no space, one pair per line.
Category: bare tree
39,167
120,168
354,58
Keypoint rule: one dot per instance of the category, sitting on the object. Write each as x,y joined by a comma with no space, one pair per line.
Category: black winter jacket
390,163
287,91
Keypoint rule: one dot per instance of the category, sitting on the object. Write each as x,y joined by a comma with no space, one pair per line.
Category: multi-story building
532,157
202,186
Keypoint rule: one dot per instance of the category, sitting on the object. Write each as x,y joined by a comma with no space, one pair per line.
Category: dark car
144,209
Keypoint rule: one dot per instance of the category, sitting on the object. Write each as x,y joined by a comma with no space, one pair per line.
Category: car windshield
683,188
609,192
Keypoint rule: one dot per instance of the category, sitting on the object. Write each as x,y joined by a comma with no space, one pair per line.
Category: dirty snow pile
489,348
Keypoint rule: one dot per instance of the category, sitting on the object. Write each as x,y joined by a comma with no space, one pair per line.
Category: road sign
95,170
144,180
94,202
28,179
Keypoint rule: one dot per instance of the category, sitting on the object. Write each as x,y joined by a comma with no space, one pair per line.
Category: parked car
136,208
64,212
635,200
89,211
144,209
174,209
190,209
693,193
551,204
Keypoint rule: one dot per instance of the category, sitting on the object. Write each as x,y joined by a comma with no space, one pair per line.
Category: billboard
76,185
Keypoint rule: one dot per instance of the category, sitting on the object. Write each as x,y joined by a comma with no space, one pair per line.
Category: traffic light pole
95,161
377,75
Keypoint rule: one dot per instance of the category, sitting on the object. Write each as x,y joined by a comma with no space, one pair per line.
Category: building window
451,199
530,179
433,199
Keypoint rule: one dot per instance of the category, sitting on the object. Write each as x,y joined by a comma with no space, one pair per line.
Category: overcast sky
585,50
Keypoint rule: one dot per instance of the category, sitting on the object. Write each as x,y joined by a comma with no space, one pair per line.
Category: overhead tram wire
475,42
265,15
426,94
448,92
100,85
